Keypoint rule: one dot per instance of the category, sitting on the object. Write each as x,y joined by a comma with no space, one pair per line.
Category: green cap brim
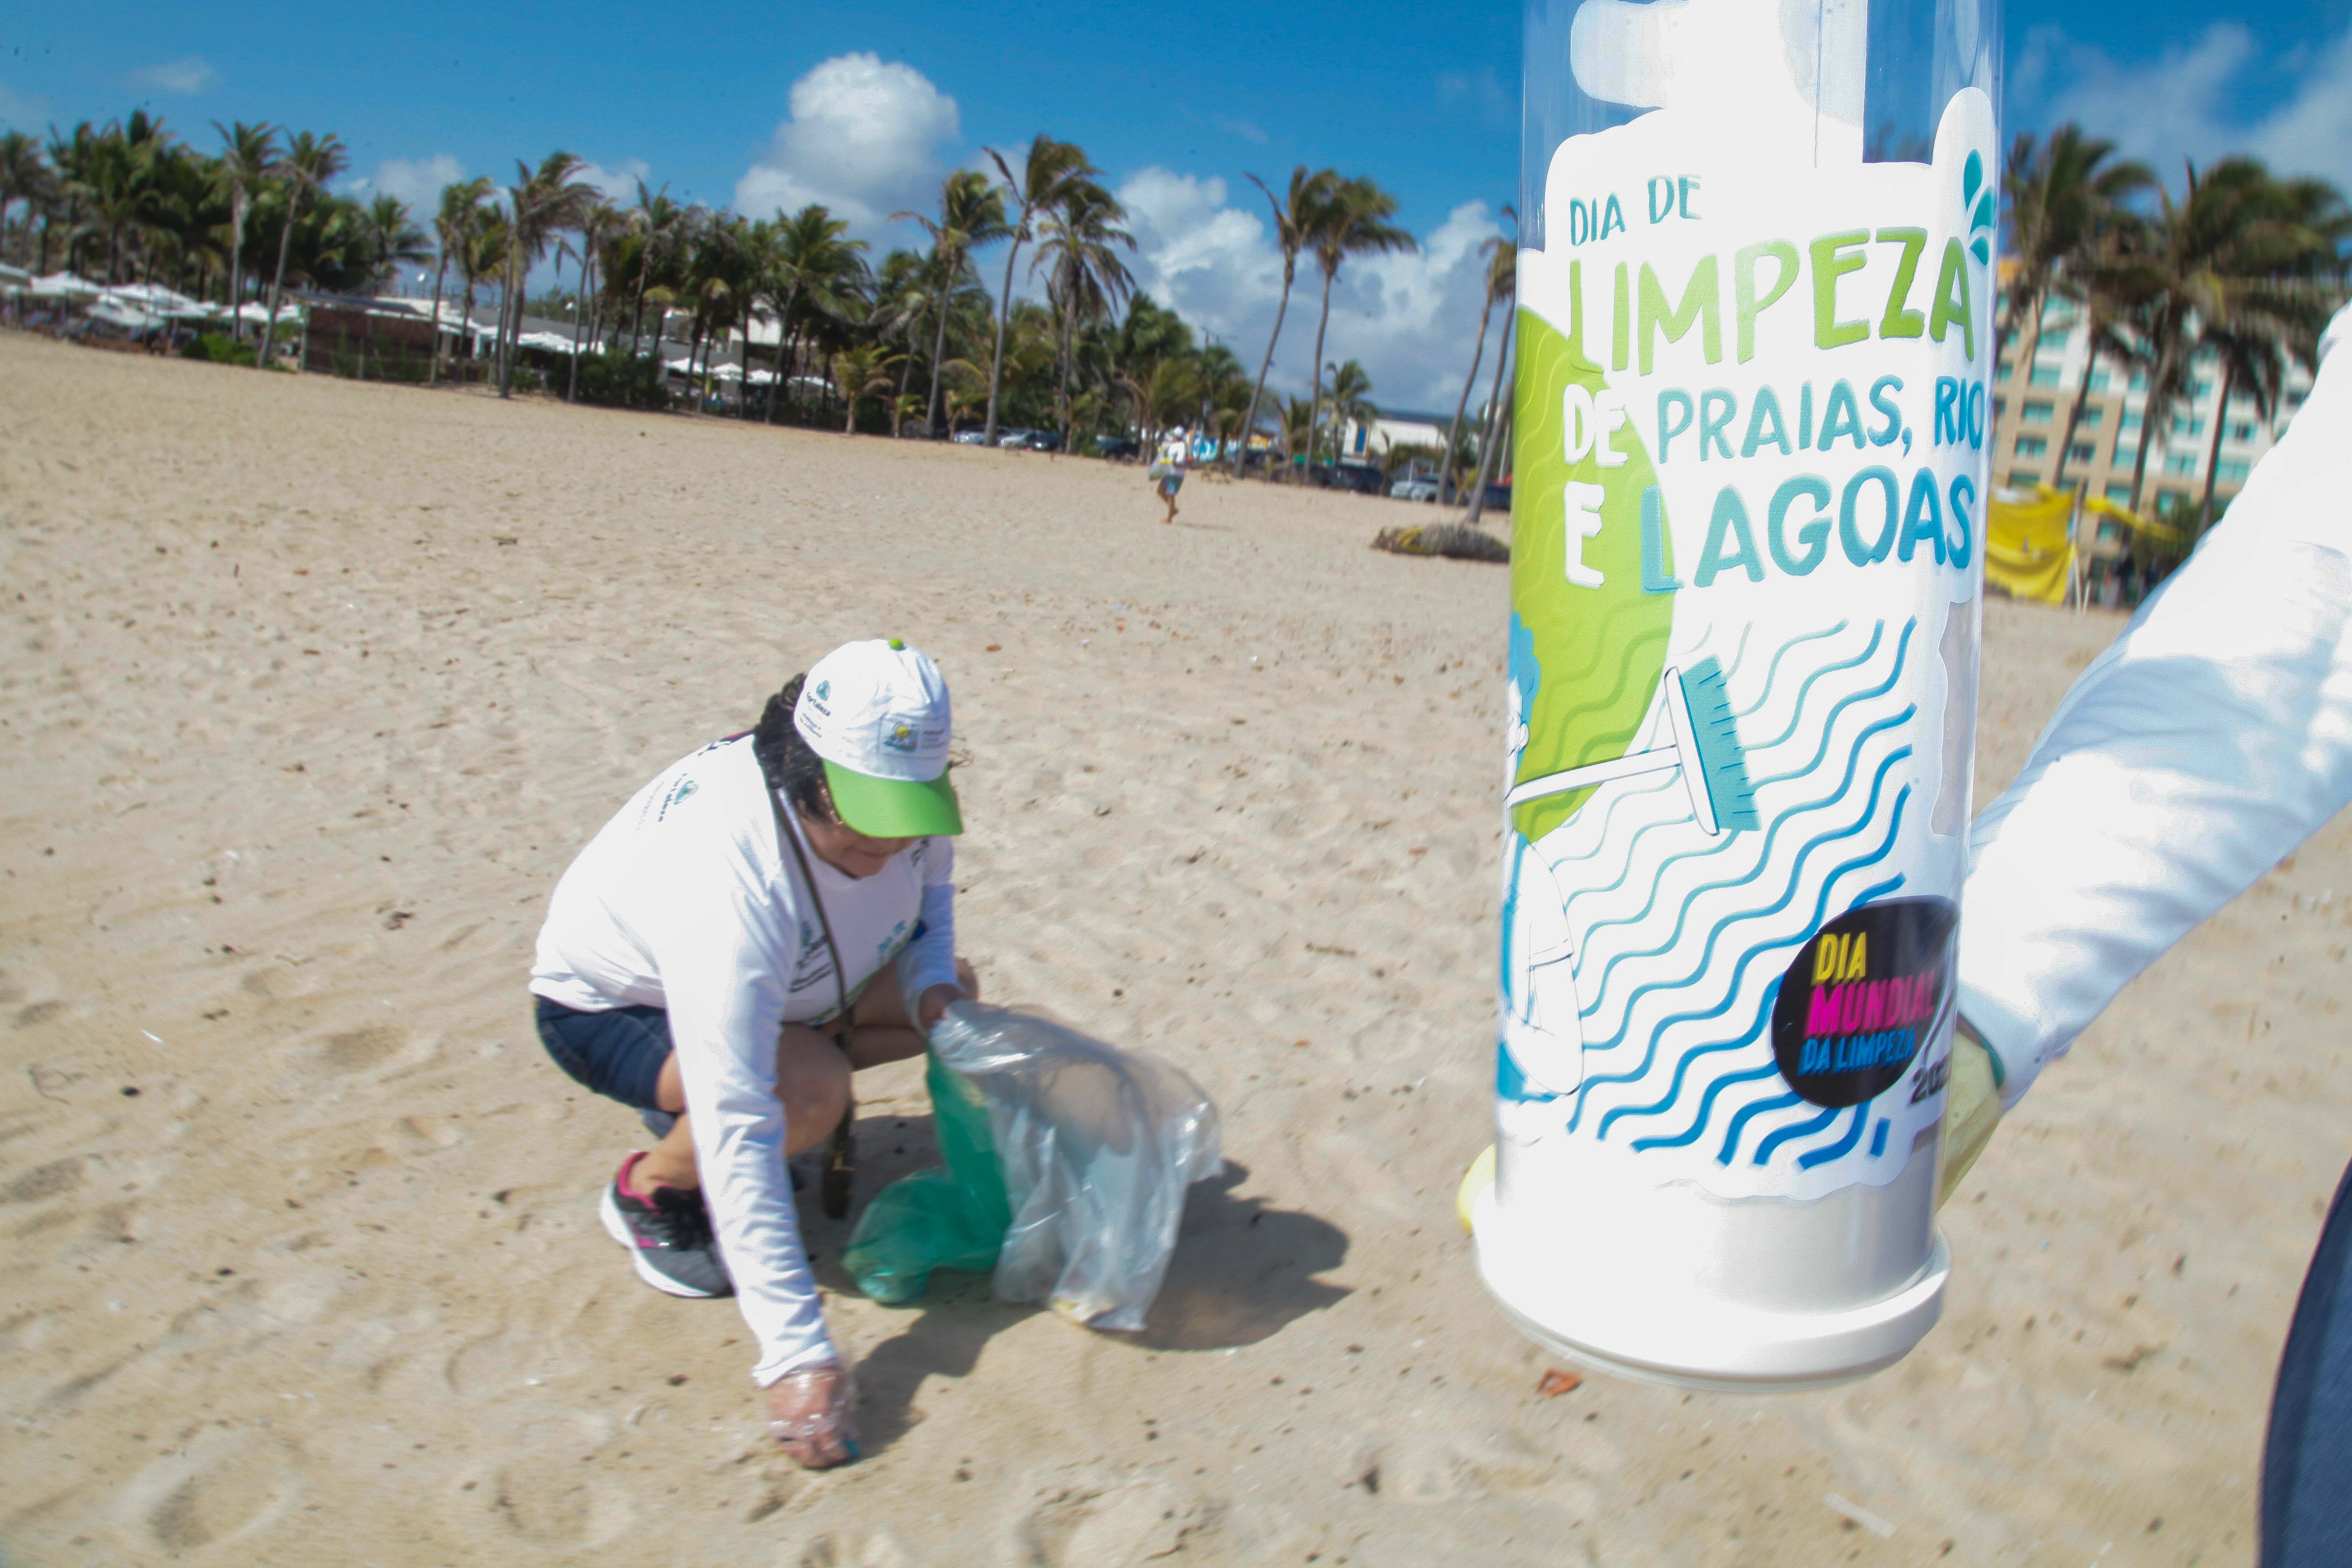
894,808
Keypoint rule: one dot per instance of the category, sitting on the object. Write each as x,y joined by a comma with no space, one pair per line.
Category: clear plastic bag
1067,1162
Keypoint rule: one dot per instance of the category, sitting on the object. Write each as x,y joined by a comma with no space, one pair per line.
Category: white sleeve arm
929,959
724,962
2208,742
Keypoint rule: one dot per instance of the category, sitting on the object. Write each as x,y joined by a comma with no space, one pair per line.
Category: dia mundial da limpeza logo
1748,519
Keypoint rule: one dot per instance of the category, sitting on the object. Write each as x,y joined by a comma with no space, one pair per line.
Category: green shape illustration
1600,650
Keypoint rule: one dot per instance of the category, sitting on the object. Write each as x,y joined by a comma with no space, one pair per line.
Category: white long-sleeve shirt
688,901
2202,747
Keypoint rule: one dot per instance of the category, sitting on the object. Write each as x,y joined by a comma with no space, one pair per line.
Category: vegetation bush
1455,540
615,379
216,348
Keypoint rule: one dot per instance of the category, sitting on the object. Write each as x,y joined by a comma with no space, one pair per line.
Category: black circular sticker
1860,999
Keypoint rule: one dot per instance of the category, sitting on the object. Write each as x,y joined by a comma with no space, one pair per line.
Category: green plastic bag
951,1218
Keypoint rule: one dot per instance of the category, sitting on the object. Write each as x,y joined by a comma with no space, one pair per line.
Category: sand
311,691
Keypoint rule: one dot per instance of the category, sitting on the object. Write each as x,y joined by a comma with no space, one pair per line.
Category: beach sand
312,688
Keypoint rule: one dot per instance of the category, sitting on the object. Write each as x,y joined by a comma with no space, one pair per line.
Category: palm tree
2064,198
453,225
859,373
971,213
1050,168
248,158
597,225
482,253
1497,428
541,204
1501,283
658,223
21,172
2241,266
814,262
393,241
310,161
1353,221
1307,196
1351,401
1085,277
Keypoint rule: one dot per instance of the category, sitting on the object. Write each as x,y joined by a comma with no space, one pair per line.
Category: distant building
2031,398
1376,437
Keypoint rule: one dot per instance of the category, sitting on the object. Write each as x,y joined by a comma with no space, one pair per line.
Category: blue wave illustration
1876,632
1853,762
1739,653
1821,908
1739,971
1748,1113
1728,843
1706,1107
1829,725
1773,670
1772,1141
1808,1160
1668,781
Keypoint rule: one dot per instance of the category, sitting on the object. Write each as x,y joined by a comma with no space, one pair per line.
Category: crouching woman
769,915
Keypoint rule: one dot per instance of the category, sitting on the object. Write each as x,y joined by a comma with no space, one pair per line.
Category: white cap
878,711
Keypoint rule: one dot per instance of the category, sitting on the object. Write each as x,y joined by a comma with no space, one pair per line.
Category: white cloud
1209,252
190,75
416,181
864,138
618,182
2175,106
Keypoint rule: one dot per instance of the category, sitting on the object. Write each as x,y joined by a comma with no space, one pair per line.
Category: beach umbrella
63,286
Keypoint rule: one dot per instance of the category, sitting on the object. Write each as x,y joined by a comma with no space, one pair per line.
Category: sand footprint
1421,1468
509,1361
224,1487
876,1548
369,1048
549,1494
1099,1522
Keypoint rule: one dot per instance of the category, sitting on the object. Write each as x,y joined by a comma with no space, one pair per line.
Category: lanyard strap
788,834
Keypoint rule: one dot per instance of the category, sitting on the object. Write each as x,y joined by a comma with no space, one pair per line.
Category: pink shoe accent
621,1179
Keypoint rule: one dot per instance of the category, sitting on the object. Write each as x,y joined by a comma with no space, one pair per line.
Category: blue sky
866,105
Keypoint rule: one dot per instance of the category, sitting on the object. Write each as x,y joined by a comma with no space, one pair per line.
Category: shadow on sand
1243,1271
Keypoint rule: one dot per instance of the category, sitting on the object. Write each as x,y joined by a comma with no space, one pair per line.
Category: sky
866,106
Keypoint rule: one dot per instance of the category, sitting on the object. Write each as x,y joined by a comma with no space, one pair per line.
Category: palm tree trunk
1454,431
1003,313
2213,458
2073,419
277,283
580,320
433,367
938,353
510,316
905,379
1315,401
783,334
1257,392
235,261
1494,442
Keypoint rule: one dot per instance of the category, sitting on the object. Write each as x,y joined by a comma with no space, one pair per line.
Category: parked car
1498,495
1043,441
1116,446
1013,437
974,436
1415,487
1359,478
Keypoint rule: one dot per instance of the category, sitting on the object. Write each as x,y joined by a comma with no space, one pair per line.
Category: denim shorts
619,1052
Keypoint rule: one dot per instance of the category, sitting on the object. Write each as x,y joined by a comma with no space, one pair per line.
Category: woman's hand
809,1414
933,1005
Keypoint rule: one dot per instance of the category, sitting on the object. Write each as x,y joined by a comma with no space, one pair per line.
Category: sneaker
669,1237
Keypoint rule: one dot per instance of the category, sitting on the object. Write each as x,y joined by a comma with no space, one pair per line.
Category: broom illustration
1707,748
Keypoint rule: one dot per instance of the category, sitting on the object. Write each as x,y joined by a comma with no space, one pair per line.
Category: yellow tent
2157,532
2029,546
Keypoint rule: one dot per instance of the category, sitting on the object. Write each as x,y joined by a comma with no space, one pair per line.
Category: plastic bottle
1756,336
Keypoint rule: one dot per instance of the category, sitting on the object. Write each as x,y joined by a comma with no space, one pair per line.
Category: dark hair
791,766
